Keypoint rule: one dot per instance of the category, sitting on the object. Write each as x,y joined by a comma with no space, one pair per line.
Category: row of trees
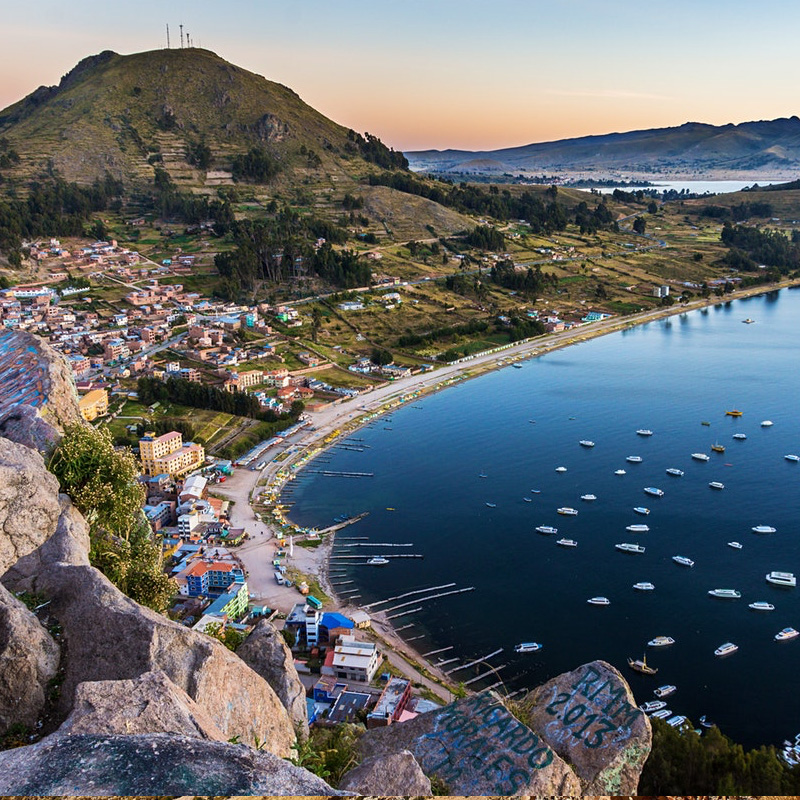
372,149
738,212
197,395
531,283
169,201
751,247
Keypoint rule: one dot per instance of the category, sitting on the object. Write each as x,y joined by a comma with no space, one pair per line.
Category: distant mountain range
750,147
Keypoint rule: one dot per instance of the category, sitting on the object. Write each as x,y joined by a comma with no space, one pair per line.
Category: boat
718,448
588,497
634,459
527,500
781,578
676,721
683,561
662,714
546,529
492,505
785,634
599,601
637,528
619,471
725,593
566,511
767,423
763,529
665,691
748,321
726,649
567,542
740,436
627,547
586,443
644,586
377,561
527,647
653,492
761,605
517,366
536,491
792,457
661,641
653,705
561,469
705,722
735,545
644,432
678,473
716,485
701,457
707,424
642,510
641,665
483,475
734,413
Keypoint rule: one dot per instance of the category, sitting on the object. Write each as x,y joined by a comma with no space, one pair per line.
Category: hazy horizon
464,75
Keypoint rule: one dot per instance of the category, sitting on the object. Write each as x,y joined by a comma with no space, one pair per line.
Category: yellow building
94,404
168,454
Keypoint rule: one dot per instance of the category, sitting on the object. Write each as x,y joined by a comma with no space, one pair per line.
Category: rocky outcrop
590,718
153,764
151,703
477,747
39,398
28,662
29,507
266,652
396,775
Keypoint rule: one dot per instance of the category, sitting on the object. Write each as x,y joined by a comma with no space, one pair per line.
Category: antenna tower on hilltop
181,26
168,36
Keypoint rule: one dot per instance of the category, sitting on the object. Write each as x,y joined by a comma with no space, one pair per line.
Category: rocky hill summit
123,701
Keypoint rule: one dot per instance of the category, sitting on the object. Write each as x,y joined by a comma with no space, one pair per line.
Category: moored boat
701,457
674,471
740,436
718,448
644,586
567,542
730,594
586,443
561,469
641,665
665,691
566,511
634,459
637,528
527,647
546,529
588,497
716,485
661,641
683,561
377,561
734,413
726,649
492,505
599,601
619,471
644,432
653,705
627,547
642,510
676,721
735,545
653,491
792,457
763,529
767,423
785,634
761,605
781,578
662,714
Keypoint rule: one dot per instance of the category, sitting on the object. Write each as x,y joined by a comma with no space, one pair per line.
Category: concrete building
169,454
354,660
391,703
661,291
94,404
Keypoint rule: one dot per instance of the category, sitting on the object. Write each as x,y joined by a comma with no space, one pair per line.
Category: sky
466,74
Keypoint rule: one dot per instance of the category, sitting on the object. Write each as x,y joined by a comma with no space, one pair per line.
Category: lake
695,187
516,426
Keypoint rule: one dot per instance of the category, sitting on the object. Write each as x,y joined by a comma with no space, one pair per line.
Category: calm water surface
516,426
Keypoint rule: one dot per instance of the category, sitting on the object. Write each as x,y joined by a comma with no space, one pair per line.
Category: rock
109,637
28,662
397,775
151,703
151,764
266,652
39,398
29,506
590,718
477,747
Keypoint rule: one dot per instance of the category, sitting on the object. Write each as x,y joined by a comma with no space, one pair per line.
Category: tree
639,225
380,356
652,207
316,322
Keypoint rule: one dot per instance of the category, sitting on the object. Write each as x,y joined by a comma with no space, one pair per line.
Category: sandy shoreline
345,419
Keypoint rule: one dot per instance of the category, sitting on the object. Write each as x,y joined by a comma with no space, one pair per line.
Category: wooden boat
641,665
734,413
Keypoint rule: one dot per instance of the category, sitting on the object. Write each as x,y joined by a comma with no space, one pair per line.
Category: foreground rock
152,703
29,507
28,662
266,652
149,765
396,775
477,747
590,718
39,398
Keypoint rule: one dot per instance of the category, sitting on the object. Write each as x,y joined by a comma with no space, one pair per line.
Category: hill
755,148
125,114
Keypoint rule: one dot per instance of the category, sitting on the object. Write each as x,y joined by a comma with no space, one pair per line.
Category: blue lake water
516,426
695,187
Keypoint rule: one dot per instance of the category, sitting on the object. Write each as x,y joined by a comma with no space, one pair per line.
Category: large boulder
477,747
151,703
590,718
266,652
394,775
151,764
29,506
39,398
28,662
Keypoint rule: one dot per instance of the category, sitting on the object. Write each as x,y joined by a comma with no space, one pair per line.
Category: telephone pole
181,36
168,36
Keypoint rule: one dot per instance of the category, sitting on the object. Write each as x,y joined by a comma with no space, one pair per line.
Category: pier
426,599
329,473
403,613
476,661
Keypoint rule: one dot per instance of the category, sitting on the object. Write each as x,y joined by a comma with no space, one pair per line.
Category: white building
354,660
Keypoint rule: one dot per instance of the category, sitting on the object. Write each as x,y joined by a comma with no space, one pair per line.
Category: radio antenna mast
168,36
181,35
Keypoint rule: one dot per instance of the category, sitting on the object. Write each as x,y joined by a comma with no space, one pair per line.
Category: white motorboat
588,497
792,457
675,472
566,511
676,721
586,443
661,641
561,469
653,705
683,561
740,436
767,423
653,492
642,510
527,500
619,471
567,542
599,601
627,547
701,457
634,459
781,578
716,485
644,432
761,605
726,649
785,634
665,691
662,714
377,561
637,528
546,529
527,647
731,594
735,545
763,529
492,505
644,586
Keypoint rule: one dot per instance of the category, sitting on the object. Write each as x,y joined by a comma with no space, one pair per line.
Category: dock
409,594
426,599
476,661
